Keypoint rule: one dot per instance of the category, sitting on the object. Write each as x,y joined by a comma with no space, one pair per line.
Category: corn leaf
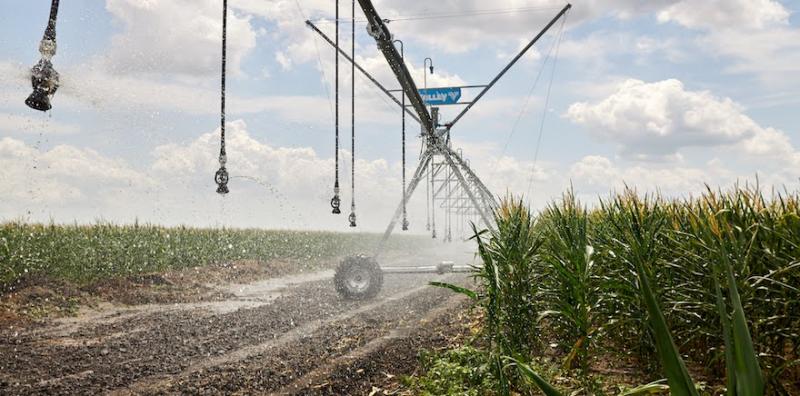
458,289
531,375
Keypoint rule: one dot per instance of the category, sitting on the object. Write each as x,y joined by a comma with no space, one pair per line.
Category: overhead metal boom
380,86
383,37
510,64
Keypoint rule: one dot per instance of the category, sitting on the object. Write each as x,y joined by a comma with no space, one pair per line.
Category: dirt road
288,335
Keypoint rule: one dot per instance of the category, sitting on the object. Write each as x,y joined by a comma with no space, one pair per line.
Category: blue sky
664,95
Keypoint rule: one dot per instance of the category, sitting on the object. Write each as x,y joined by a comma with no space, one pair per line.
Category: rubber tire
366,265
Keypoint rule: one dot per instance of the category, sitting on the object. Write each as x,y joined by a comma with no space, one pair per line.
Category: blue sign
440,96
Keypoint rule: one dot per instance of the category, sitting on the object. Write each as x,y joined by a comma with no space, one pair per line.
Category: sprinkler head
38,100
352,219
335,204
221,177
433,234
44,80
405,224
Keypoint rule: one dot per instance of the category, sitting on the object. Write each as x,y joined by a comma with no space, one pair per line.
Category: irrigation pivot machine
454,186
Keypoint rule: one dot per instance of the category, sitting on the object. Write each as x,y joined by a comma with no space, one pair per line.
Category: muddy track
269,339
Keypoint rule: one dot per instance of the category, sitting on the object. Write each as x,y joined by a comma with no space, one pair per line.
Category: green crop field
707,287
81,253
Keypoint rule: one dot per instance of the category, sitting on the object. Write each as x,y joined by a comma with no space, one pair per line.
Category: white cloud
271,187
773,148
755,35
14,123
446,27
771,54
748,14
656,120
63,175
594,176
283,60
176,36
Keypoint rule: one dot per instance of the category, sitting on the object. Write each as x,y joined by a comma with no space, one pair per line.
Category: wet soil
35,298
287,335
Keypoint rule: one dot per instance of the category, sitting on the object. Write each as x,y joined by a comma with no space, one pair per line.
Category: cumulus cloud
597,48
176,36
62,175
272,187
131,94
20,124
749,14
595,176
656,120
755,35
599,175
445,27
772,54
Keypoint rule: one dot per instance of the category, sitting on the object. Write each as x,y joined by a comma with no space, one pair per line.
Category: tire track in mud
298,334
197,351
326,378
274,372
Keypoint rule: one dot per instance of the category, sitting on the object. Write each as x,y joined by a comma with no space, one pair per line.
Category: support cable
221,177
352,217
528,98
509,65
319,61
544,110
336,201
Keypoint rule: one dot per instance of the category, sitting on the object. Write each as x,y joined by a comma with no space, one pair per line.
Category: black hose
353,120
221,177
50,32
335,201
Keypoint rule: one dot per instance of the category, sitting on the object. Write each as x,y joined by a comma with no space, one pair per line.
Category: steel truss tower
456,189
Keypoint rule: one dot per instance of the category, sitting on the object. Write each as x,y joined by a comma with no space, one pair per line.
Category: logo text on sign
440,96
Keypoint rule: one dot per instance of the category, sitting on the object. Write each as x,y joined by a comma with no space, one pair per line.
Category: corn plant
506,279
622,252
84,253
570,286
640,226
710,281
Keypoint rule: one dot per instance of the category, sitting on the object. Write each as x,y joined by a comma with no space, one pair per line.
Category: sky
665,96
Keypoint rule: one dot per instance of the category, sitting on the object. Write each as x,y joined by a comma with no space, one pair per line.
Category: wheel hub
358,280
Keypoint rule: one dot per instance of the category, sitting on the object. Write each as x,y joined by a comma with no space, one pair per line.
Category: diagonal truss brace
364,72
479,201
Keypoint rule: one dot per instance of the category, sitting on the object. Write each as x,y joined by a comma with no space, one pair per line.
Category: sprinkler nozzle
44,80
221,177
